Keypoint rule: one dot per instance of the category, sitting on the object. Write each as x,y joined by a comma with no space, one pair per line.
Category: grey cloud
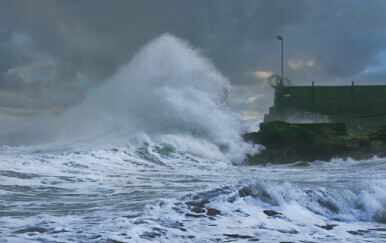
86,41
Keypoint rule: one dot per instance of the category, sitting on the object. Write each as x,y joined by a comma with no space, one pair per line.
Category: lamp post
279,37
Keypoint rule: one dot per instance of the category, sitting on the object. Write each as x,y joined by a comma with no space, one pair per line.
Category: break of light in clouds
296,64
260,74
55,51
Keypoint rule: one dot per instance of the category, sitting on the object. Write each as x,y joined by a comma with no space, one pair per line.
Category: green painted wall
333,100
355,105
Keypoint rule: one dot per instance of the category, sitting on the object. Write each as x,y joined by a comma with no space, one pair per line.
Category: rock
212,212
236,236
271,212
194,215
354,232
197,210
32,229
328,226
288,143
302,164
198,203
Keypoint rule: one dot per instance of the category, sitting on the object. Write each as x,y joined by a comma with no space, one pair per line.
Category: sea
156,155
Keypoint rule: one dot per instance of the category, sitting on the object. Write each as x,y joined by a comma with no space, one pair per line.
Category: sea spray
142,160
155,193
168,92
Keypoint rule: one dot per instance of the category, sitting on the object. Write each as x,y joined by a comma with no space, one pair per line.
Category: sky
53,52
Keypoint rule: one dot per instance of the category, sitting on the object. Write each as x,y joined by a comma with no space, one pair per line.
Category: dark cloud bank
52,52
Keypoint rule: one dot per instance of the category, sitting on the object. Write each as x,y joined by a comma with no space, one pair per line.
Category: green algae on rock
288,143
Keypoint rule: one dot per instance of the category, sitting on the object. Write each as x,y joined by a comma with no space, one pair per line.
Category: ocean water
155,155
150,193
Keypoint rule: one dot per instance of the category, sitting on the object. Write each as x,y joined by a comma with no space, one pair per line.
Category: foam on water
146,157
262,211
152,193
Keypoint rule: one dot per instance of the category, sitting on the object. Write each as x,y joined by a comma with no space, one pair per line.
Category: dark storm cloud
53,51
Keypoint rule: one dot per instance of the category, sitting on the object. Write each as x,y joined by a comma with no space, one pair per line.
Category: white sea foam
143,159
241,214
168,90
156,193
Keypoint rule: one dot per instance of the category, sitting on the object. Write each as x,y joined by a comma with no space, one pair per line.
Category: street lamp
281,38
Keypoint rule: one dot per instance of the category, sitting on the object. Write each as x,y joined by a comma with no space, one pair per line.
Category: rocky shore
289,143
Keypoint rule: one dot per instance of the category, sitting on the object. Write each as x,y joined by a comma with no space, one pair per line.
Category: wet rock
354,232
194,215
188,236
93,237
197,210
59,230
131,216
329,205
178,210
288,143
302,164
363,231
379,229
245,191
271,212
30,230
239,236
241,213
150,235
327,226
113,241
177,225
199,204
212,212
292,231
